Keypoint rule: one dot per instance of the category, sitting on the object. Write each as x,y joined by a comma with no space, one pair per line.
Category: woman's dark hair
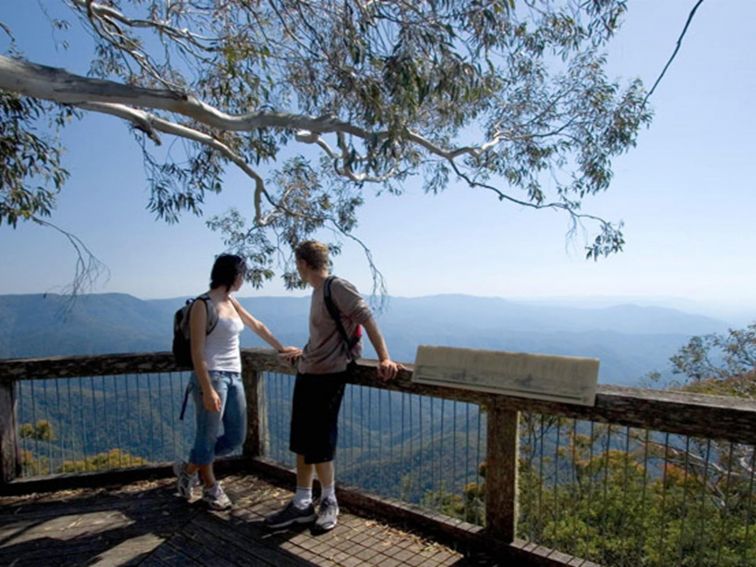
225,270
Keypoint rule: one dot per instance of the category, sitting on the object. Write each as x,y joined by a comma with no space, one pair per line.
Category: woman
216,381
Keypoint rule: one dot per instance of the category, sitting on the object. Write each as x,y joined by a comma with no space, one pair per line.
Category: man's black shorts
314,415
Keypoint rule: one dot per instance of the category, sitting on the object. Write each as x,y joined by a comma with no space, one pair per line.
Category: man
323,367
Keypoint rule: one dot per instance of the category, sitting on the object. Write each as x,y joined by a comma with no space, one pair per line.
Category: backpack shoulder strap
212,313
333,311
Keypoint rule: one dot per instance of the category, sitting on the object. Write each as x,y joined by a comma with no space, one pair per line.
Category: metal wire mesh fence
625,496
418,449
98,423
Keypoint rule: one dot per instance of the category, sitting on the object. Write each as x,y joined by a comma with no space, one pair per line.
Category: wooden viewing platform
145,523
630,438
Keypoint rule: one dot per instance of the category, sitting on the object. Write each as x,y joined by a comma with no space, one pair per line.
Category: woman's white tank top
222,345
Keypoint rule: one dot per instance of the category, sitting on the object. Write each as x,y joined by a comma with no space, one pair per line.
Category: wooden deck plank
201,547
146,524
168,556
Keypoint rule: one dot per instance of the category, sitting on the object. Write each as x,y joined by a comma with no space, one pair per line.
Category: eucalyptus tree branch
7,31
346,170
109,31
149,123
674,53
379,283
105,22
60,86
103,11
88,268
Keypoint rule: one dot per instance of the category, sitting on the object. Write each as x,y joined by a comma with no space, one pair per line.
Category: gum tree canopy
506,96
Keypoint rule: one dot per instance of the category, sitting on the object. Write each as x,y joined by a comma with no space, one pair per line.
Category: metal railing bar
150,412
579,490
420,474
725,507
645,485
404,441
70,424
51,423
665,467
175,429
541,452
352,429
684,513
361,468
94,414
625,474
467,463
749,506
432,450
85,443
378,428
34,417
59,424
438,485
411,441
703,497
602,525
556,470
454,449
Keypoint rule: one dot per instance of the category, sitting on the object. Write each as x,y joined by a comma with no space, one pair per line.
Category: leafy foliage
510,97
40,431
717,364
113,459
31,174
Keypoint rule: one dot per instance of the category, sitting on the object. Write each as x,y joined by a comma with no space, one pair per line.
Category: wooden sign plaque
545,377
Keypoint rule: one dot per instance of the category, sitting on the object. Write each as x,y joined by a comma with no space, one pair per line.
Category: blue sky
685,194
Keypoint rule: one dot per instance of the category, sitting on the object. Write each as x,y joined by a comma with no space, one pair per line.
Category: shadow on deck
145,523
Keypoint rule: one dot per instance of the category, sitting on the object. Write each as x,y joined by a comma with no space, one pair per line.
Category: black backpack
353,342
182,348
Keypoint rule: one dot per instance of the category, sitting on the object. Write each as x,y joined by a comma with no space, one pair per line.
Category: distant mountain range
629,340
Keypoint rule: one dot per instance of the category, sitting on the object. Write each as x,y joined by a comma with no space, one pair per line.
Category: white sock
328,493
303,497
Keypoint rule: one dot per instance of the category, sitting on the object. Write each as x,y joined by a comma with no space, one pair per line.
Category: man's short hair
314,253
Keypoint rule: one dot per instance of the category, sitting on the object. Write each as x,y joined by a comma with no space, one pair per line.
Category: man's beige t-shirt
325,351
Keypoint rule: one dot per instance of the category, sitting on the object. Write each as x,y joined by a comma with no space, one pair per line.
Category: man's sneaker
289,515
328,514
215,497
185,483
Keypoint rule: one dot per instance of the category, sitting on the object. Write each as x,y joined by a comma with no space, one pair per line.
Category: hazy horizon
731,314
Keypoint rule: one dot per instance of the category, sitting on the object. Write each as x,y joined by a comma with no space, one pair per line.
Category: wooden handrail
713,417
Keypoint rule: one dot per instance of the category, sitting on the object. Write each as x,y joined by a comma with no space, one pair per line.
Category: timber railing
642,477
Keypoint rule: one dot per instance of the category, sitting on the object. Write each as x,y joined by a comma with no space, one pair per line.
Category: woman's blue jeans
219,433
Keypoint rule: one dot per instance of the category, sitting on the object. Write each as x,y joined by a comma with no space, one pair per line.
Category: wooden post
9,462
501,472
257,422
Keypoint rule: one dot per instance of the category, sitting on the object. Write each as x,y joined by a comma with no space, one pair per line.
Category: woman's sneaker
290,514
215,497
185,482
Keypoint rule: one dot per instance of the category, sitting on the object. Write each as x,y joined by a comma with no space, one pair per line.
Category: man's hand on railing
388,369
290,354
